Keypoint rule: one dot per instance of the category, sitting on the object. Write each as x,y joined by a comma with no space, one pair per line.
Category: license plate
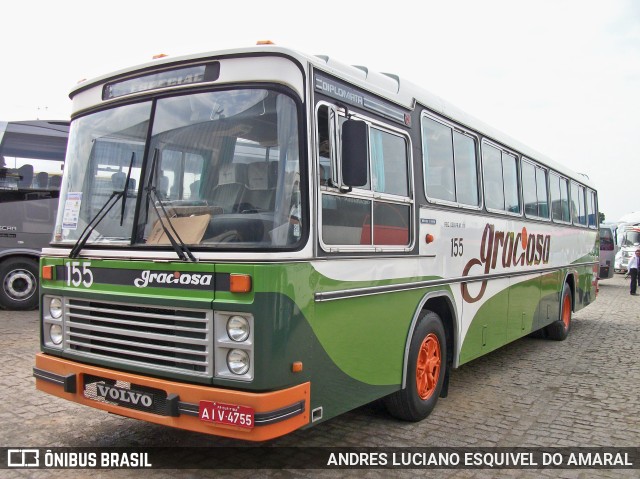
229,414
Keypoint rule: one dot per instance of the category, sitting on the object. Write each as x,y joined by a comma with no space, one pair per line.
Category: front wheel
19,284
425,371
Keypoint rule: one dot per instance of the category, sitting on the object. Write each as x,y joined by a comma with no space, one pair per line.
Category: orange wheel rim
428,366
566,311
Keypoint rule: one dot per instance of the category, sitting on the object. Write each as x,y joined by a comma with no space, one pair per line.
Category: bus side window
591,205
492,169
324,146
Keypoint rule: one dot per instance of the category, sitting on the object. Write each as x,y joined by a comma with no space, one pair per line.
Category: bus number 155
79,273
456,247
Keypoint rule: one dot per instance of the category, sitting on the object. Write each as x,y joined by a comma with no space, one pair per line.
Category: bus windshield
217,169
631,238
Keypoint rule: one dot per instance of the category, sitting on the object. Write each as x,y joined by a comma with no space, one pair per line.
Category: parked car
608,250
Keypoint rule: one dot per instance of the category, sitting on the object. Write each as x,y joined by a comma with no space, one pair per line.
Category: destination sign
350,95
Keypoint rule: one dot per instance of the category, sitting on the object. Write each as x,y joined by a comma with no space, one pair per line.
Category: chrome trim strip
68,382
272,417
392,288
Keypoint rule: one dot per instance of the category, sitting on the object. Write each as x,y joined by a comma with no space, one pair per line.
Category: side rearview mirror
355,153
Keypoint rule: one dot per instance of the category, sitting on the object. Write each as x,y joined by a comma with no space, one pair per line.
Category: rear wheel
19,278
559,329
425,371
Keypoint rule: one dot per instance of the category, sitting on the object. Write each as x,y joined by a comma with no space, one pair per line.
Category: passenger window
529,193
450,164
591,209
543,195
493,187
391,224
500,180
559,189
578,207
388,163
534,190
438,158
466,164
377,214
345,220
510,178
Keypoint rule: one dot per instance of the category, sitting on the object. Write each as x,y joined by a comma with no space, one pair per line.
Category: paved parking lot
584,392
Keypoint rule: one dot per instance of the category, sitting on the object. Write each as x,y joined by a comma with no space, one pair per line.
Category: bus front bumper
209,410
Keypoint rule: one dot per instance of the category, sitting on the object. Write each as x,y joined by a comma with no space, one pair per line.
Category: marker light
240,283
47,272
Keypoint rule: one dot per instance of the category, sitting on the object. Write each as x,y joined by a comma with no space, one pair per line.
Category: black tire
19,289
559,329
416,401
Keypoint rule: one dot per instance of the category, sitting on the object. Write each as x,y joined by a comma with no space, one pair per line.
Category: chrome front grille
154,337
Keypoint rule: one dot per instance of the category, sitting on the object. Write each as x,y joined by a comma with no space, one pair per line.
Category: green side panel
288,337
524,299
512,313
488,329
364,336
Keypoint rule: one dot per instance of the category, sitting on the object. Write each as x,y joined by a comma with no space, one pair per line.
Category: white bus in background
629,237
31,161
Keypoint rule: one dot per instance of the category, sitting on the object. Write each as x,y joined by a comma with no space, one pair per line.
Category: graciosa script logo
147,278
511,249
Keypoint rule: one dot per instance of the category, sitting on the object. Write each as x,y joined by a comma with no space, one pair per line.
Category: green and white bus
253,241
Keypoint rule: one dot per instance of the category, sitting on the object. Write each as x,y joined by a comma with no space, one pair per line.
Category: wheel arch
443,304
22,252
570,279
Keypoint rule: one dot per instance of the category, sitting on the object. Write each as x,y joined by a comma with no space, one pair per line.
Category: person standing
633,269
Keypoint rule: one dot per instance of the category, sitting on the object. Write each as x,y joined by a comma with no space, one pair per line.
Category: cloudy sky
562,76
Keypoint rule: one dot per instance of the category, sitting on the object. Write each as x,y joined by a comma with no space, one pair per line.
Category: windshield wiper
84,236
180,248
111,202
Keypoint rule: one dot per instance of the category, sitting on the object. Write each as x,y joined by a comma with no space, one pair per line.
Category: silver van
608,250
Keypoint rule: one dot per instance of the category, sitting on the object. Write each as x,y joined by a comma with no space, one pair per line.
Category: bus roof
389,86
45,139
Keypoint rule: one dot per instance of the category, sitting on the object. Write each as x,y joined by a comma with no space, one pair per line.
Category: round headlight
238,361
238,328
55,333
55,308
